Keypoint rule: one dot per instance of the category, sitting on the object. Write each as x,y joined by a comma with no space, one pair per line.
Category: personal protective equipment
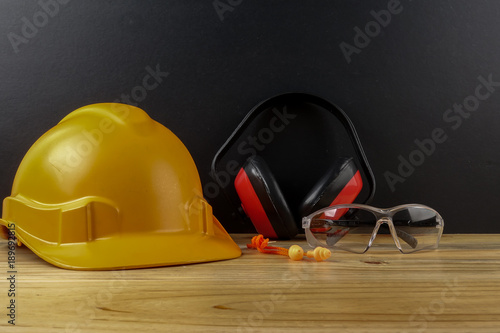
110,188
354,227
348,178
265,204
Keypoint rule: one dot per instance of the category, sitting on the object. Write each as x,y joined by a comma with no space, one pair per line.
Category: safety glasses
354,227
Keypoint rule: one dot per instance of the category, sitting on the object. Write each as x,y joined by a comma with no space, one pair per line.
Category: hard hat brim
128,251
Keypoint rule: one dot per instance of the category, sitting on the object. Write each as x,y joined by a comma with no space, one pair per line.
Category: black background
395,90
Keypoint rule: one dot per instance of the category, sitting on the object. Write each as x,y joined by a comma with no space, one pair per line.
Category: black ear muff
263,201
340,185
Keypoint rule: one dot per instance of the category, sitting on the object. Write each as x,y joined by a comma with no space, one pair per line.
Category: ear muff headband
286,99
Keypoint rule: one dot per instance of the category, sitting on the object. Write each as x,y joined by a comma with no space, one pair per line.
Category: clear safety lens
343,228
351,229
417,228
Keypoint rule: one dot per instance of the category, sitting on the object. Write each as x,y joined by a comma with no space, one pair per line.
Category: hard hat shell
110,188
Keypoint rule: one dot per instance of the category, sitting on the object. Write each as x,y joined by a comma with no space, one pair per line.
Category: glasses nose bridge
388,220
384,220
381,219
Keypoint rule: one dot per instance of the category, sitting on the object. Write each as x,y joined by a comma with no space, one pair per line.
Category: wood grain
453,289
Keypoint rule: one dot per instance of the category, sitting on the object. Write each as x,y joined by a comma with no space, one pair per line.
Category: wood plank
453,289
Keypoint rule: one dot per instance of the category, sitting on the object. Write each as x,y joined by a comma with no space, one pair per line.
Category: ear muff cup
340,185
263,201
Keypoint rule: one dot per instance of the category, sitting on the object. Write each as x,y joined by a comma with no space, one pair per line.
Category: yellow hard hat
110,188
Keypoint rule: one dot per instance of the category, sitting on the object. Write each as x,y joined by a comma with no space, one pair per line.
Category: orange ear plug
319,253
295,252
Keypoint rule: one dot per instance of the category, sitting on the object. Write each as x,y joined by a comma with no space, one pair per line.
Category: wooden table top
453,289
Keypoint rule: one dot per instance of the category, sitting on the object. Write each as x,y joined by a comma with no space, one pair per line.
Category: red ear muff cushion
340,185
252,206
263,201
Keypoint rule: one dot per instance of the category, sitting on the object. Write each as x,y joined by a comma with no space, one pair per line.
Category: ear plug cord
295,252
